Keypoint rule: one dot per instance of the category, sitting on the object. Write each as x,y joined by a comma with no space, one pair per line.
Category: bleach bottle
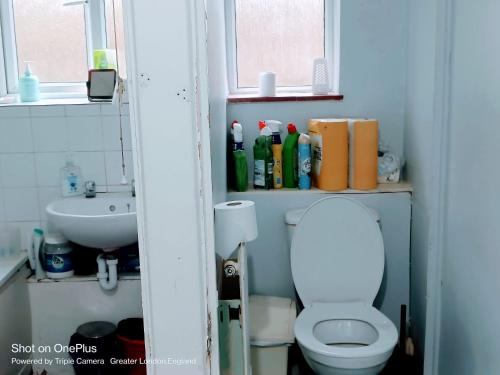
290,158
304,162
277,148
240,172
263,158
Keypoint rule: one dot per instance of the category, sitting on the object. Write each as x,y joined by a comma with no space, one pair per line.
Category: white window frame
95,32
332,51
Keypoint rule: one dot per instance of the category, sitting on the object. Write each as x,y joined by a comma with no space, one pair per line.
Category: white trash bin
271,333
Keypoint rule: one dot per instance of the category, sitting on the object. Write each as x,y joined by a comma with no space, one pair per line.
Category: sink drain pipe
108,280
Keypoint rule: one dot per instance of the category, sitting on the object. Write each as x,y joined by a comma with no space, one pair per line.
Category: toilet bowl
337,260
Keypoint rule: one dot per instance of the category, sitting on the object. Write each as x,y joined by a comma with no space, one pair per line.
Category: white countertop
9,266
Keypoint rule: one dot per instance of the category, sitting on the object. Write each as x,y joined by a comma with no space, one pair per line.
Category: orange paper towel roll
330,155
363,154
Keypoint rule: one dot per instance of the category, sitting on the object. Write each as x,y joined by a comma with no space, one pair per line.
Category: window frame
95,33
332,51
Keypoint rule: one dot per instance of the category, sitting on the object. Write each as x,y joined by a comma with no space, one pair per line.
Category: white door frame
167,70
440,156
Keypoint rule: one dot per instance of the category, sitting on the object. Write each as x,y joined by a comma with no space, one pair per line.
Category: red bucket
130,334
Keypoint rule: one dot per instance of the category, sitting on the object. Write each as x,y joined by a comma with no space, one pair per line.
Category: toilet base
321,369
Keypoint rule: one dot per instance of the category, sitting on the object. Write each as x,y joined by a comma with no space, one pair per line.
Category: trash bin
130,334
101,336
272,321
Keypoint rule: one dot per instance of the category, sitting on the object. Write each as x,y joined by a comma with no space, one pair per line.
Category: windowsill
13,100
282,97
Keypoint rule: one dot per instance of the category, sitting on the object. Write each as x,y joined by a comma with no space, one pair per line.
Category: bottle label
305,167
317,153
259,173
58,263
72,183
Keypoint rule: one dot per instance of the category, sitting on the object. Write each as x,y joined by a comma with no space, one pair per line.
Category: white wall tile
108,109
47,111
85,133
14,111
18,170
48,166
92,165
50,134
83,110
15,135
21,204
111,133
25,228
114,167
47,195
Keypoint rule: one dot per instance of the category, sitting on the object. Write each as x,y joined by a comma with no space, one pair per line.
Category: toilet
337,260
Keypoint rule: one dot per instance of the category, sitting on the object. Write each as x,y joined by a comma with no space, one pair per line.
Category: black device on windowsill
101,85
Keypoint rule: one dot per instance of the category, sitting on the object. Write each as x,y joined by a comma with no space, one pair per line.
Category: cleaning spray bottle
304,149
290,162
263,158
239,158
277,148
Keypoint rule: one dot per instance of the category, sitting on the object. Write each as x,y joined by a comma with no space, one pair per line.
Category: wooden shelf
282,97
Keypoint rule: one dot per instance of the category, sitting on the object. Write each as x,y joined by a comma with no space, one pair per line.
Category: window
283,36
58,37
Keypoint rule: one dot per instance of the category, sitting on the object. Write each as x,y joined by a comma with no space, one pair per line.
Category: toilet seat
311,316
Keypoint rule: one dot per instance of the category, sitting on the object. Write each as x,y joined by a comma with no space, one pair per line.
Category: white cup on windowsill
267,84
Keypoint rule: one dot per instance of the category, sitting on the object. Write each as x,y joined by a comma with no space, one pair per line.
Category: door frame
440,156
169,102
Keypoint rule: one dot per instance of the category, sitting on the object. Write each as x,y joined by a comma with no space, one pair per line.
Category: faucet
133,187
90,190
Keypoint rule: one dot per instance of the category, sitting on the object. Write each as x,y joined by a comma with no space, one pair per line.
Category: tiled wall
34,144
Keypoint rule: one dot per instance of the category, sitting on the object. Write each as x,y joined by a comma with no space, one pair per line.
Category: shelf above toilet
400,187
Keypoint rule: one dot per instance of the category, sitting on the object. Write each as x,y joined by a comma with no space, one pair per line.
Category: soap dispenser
71,179
29,89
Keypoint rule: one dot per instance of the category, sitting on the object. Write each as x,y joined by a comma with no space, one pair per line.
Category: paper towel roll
235,222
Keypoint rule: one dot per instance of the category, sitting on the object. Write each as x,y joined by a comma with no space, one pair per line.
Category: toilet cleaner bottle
290,158
240,172
277,148
263,158
304,149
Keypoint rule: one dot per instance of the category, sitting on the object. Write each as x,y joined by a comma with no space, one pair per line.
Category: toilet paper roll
267,84
235,222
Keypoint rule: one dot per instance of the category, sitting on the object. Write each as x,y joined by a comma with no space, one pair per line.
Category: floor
399,364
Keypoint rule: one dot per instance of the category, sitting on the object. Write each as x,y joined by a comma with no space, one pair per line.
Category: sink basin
107,221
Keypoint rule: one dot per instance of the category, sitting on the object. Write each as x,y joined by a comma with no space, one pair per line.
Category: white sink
107,221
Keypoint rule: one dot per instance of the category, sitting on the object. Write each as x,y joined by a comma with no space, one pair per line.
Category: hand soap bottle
71,179
29,90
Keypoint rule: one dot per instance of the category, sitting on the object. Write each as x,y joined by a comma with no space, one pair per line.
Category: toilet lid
337,253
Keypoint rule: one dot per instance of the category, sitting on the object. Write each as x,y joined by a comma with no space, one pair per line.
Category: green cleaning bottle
239,159
290,157
263,158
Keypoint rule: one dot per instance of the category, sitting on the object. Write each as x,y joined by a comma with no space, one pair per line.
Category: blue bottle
29,90
304,150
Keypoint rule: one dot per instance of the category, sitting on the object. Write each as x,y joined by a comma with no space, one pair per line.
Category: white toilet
337,259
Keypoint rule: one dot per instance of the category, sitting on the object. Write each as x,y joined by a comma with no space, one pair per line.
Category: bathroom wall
34,144
373,40
418,149
470,307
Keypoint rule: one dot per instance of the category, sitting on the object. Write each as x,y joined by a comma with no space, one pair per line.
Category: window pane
282,36
120,34
52,36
